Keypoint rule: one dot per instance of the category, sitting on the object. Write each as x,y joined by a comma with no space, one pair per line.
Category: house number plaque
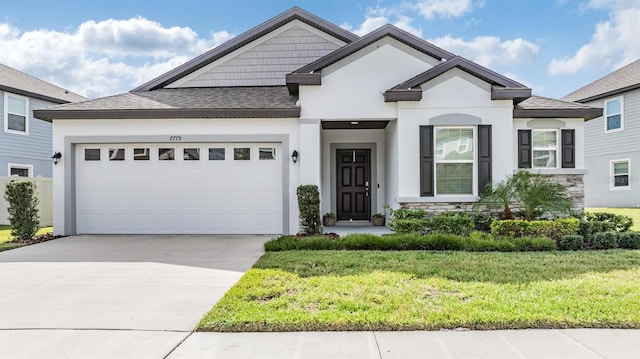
175,138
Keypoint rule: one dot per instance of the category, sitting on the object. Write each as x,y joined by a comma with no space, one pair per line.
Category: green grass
634,213
5,237
414,290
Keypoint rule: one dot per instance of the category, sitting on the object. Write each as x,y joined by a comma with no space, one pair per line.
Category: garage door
222,188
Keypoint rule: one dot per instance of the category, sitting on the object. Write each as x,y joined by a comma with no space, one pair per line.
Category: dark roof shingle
12,80
622,80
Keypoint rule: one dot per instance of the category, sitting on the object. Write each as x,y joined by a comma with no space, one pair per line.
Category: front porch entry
353,183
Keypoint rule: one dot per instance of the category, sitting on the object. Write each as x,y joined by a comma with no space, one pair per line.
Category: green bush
616,222
554,229
629,240
309,207
604,240
410,225
457,223
412,241
482,222
23,209
573,242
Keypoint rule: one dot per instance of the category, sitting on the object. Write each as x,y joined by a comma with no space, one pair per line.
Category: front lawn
634,213
419,290
5,237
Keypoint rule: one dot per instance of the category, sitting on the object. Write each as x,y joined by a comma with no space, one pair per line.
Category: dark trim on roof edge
295,80
347,125
414,94
32,94
587,113
49,115
609,93
516,94
465,65
295,13
357,45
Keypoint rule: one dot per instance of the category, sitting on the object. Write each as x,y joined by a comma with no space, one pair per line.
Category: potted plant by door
377,219
329,219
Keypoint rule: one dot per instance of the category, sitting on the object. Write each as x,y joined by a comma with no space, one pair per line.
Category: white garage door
185,188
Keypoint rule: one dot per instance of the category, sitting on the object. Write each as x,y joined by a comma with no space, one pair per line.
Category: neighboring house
612,141
25,141
220,144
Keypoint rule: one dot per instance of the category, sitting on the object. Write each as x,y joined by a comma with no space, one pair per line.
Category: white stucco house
220,144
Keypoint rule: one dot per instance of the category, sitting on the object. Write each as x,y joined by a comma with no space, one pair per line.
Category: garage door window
116,154
140,154
242,154
267,153
216,154
191,154
92,154
166,154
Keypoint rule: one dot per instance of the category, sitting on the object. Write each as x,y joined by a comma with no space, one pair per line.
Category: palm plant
533,193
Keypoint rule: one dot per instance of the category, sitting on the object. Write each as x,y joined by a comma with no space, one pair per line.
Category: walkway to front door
353,187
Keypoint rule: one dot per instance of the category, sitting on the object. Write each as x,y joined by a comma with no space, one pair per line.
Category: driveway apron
114,296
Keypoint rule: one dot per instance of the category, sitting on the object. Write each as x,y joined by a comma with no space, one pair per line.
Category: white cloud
442,8
378,17
102,58
613,43
490,51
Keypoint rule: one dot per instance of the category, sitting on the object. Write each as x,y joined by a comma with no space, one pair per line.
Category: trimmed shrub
629,240
404,220
482,222
410,225
573,242
23,209
309,206
457,223
604,240
554,229
617,222
412,241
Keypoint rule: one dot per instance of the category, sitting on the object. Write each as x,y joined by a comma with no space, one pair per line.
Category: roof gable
311,73
236,43
619,81
12,80
502,87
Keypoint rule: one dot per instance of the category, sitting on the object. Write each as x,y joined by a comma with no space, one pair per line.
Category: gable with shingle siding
267,60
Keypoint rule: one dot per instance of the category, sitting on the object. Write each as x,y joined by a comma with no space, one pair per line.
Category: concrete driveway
114,296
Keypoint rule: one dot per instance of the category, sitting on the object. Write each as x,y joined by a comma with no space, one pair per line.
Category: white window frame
612,181
604,114
557,148
29,168
474,161
6,114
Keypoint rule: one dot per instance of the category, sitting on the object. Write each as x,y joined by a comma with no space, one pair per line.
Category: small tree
23,209
309,207
536,193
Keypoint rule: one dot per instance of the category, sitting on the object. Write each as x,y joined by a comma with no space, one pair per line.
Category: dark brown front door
353,176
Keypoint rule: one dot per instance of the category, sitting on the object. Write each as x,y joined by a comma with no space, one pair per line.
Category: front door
353,177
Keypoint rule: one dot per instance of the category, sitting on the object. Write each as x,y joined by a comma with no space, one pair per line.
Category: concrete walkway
543,344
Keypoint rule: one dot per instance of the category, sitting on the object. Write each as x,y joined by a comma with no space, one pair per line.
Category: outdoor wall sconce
294,156
56,157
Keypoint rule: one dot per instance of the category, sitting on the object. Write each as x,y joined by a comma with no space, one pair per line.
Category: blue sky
99,48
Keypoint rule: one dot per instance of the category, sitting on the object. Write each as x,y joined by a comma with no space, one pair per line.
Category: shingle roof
295,13
15,81
622,80
538,106
183,103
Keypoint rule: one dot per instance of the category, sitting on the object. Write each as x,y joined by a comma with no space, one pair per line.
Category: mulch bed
37,239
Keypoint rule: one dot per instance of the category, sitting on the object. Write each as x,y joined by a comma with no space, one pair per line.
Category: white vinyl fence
45,194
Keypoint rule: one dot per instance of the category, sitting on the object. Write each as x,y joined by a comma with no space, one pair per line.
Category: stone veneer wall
574,184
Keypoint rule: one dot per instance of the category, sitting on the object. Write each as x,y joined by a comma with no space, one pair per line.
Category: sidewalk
535,343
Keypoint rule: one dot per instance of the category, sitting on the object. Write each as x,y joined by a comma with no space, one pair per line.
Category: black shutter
484,156
426,161
568,148
524,148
